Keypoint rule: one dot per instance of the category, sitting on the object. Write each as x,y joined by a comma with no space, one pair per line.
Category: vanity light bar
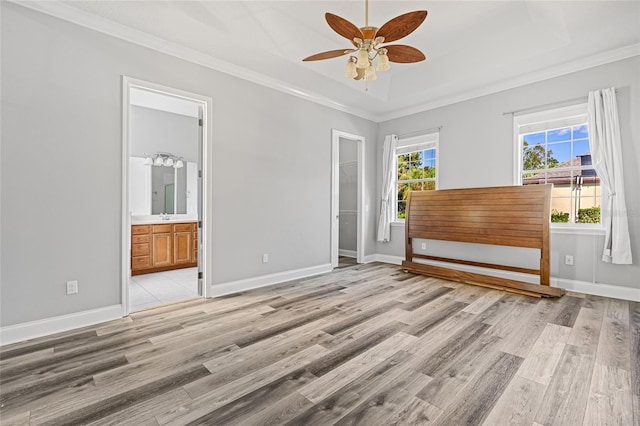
163,159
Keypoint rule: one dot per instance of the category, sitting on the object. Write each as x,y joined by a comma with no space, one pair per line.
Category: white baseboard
347,253
32,329
266,280
384,258
606,290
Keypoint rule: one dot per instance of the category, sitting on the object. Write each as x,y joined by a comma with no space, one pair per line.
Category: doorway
347,206
166,234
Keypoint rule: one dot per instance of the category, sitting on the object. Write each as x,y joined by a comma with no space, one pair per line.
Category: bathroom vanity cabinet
163,246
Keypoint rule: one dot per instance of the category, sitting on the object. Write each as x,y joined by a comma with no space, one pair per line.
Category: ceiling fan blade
401,26
343,27
328,55
404,54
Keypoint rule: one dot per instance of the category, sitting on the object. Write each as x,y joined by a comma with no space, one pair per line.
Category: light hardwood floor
366,344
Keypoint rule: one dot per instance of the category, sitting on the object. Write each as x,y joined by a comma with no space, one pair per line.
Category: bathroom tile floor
159,288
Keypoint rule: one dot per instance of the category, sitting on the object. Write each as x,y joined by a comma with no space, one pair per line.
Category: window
416,161
553,147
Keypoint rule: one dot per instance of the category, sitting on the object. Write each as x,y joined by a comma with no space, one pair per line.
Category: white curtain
606,153
388,175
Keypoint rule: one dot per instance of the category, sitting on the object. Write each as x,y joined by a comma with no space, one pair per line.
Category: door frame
335,194
205,242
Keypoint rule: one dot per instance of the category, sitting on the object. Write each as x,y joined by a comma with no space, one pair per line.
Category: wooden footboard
514,216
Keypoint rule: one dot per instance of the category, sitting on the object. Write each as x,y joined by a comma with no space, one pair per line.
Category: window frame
430,141
543,118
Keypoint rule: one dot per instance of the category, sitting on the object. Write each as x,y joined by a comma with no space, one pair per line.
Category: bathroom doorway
165,195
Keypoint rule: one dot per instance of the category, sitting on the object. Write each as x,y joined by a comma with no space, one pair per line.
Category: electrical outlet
568,260
423,246
72,287
265,257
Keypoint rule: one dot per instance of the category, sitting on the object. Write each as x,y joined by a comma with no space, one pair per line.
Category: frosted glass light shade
178,164
350,71
168,162
370,73
362,59
383,62
148,161
159,161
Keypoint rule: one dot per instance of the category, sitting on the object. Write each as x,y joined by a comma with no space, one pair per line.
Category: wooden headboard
515,216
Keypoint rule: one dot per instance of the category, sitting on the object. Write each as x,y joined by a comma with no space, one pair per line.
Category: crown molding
105,26
79,17
534,77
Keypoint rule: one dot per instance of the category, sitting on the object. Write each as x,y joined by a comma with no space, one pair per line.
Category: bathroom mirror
160,189
168,190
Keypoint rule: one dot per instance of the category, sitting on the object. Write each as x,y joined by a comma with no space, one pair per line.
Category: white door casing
336,135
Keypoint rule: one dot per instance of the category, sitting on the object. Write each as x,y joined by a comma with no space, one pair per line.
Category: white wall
192,188
476,149
61,103
153,130
139,187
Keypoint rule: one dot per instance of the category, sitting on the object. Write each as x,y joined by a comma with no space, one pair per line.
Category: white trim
335,191
267,280
125,231
44,327
598,289
348,253
522,80
105,26
206,245
384,258
114,29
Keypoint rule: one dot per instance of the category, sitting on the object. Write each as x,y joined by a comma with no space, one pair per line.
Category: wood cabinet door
182,247
162,250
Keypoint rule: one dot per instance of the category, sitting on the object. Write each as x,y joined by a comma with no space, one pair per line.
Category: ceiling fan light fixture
367,40
363,58
383,61
351,71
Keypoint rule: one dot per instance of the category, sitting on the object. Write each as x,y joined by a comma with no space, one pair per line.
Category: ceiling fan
368,42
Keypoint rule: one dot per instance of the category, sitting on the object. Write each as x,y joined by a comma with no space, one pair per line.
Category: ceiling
472,47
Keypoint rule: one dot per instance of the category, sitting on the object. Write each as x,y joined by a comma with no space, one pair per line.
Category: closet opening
347,216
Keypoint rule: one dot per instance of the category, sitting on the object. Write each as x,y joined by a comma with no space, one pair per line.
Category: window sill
397,224
577,229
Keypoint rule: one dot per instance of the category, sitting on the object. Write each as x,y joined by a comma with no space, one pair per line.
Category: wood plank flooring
365,344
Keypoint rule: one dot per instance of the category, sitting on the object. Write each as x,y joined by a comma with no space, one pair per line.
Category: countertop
154,219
